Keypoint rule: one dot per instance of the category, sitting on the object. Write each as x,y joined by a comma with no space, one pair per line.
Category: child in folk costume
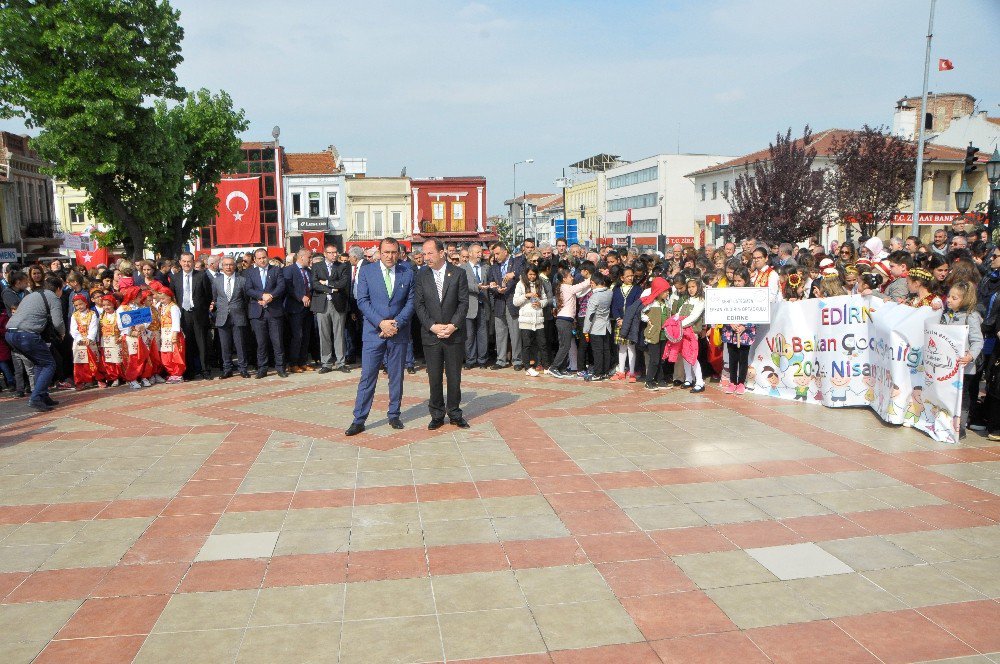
136,359
151,334
171,339
83,330
112,357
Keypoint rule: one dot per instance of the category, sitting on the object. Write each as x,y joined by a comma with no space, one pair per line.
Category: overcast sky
468,88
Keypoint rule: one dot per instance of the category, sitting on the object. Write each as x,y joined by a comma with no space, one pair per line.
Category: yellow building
582,205
69,209
377,207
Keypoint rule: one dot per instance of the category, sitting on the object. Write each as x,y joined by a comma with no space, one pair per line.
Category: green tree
98,78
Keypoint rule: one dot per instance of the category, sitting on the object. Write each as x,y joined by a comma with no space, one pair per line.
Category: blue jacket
619,303
295,287
274,284
376,306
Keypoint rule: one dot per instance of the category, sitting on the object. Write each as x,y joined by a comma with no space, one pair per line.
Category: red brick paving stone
697,539
579,502
617,547
211,487
624,653
834,464
758,534
987,508
184,506
114,616
820,642
676,614
506,488
916,475
465,558
70,512
129,509
955,492
221,471
552,552
128,580
385,495
948,517
552,468
668,476
566,484
626,480
9,581
446,491
595,522
259,502
163,550
635,578
975,623
903,636
731,472
189,525
824,527
975,454
783,468
113,650
58,584
322,498
15,515
306,570
214,575
887,522
386,565
709,649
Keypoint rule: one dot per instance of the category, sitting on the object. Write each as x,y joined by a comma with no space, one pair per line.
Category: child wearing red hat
112,367
136,359
171,338
151,334
86,368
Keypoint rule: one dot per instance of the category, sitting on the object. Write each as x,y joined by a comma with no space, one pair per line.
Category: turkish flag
91,259
628,217
313,240
237,217
945,65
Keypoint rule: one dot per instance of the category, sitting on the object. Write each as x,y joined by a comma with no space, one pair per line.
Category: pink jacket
687,347
569,294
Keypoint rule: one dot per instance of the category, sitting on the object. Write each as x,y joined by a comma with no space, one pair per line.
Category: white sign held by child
737,305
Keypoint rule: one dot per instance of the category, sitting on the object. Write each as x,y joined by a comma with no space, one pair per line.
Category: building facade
377,207
942,109
583,212
314,197
450,208
28,222
70,211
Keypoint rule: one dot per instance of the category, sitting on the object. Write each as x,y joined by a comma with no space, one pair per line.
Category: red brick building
451,208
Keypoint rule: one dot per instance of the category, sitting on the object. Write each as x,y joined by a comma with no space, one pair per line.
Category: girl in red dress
171,338
136,357
83,331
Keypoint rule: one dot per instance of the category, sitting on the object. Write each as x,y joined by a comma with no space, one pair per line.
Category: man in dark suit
193,291
230,306
298,301
441,301
502,279
385,299
266,289
478,316
330,301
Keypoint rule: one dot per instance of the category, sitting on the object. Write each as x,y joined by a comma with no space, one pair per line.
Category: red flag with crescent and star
90,259
237,216
313,240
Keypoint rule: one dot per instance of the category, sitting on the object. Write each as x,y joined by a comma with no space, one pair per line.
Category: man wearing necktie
266,289
230,307
194,295
298,301
385,300
330,301
478,317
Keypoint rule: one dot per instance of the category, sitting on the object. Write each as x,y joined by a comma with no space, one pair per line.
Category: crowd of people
563,311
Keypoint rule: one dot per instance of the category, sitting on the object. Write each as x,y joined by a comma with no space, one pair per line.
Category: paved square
234,522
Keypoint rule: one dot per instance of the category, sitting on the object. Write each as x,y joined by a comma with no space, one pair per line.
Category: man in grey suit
229,301
478,317
330,301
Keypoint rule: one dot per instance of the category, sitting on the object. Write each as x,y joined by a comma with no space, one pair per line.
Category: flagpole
919,180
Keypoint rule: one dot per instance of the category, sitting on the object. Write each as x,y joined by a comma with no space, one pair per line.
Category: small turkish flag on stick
945,65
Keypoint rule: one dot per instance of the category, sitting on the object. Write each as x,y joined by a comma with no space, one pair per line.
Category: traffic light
628,241
583,212
850,233
970,158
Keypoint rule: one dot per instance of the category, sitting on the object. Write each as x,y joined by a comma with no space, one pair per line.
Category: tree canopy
98,78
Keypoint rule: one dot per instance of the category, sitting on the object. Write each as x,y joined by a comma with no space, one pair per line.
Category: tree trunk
136,241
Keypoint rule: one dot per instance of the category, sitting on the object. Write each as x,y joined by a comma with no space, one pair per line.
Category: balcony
40,229
362,236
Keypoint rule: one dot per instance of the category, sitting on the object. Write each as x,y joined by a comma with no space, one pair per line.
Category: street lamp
963,197
513,227
993,208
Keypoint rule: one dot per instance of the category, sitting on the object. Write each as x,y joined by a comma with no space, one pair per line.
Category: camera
872,280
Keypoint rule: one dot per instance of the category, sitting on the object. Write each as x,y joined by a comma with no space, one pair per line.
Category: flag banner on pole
90,259
859,351
945,65
237,218
140,316
313,240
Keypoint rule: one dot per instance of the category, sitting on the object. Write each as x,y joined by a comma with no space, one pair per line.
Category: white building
314,196
979,129
655,195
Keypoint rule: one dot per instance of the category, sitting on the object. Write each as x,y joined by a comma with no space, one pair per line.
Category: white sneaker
135,385
146,383
158,379
532,372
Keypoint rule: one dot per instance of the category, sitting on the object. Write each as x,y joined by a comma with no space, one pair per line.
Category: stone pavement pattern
222,522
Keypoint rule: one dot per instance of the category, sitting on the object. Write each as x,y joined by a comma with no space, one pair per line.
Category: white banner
858,351
737,305
8,255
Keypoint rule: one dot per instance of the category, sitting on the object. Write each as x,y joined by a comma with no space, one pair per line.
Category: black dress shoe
207,375
435,424
469,366
461,423
260,374
697,390
49,401
354,429
245,373
344,369
226,374
411,370
324,370
395,423
282,373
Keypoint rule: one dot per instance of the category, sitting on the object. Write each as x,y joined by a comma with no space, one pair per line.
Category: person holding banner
137,353
961,310
739,338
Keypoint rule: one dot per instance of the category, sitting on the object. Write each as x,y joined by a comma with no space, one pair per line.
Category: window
359,221
725,189
458,211
377,222
635,177
331,204
715,190
76,215
703,189
313,203
640,201
437,211
296,205
397,223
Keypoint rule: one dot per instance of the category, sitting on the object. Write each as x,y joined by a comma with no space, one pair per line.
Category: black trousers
533,350
300,326
269,330
564,329
582,347
231,336
445,360
197,333
654,362
739,358
600,345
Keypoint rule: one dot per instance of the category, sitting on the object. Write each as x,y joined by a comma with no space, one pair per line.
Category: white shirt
188,297
439,280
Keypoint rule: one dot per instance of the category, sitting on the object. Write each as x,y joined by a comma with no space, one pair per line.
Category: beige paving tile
317,518
200,611
723,568
585,624
411,639
492,633
371,515
844,595
20,652
518,506
59,532
34,621
389,599
454,593
233,523
236,546
201,647
789,507
763,605
299,604
869,553
25,558
87,554
463,531
904,496
386,536
798,561
329,540
850,500
922,585
729,511
982,574
451,510
942,546
701,492
558,585
662,517
642,496
529,527
290,643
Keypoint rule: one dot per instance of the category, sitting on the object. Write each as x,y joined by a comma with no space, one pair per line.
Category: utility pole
919,180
